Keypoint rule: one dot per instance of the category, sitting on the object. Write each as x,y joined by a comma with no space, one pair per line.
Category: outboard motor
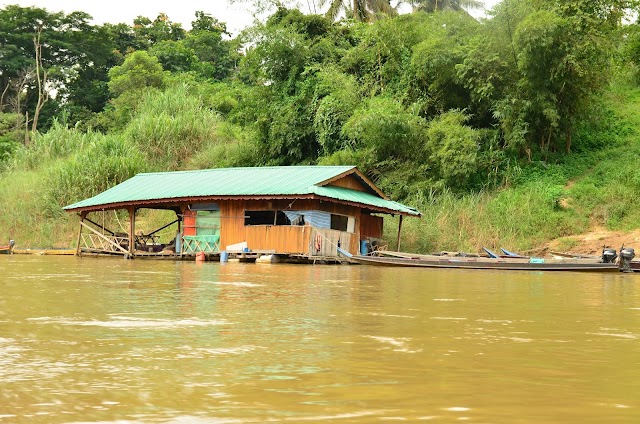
626,255
609,255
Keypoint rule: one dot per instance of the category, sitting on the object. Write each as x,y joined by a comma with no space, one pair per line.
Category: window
266,218
339,222
259,217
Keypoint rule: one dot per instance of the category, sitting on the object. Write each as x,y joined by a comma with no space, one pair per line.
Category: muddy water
114,341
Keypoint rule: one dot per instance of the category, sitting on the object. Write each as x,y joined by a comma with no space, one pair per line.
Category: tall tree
433,5
360,10
35,43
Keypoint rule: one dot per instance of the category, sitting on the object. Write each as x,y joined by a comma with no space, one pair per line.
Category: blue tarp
317,219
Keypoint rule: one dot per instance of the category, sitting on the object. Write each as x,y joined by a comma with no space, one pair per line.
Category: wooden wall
349,182
284,239
371,226
281,238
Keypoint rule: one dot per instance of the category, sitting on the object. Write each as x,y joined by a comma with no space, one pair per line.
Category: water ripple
131,322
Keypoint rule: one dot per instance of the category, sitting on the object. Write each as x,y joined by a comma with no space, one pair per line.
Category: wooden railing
325,242
97,242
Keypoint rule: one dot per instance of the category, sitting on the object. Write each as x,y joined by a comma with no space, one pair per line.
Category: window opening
266,218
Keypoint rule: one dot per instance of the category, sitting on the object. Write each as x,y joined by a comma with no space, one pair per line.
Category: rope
328,241
119,223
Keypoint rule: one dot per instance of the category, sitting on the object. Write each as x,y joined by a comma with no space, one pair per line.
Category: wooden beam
100,226
399,231
165,226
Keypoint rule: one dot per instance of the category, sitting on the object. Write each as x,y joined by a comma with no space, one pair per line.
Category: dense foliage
430,104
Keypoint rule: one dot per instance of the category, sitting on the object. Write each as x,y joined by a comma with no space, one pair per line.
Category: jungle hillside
519,130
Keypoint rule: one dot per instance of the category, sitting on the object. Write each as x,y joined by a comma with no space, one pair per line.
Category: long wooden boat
511,264
633,265
5,250
44,251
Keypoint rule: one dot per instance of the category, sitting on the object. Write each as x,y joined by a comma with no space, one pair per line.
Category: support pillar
132,229
83,214
399,231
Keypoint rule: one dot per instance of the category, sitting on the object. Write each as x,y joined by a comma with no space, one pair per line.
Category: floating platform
54,251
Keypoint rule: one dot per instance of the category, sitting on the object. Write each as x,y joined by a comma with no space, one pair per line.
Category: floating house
303,212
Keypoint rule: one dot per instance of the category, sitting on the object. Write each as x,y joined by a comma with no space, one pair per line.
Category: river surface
87,340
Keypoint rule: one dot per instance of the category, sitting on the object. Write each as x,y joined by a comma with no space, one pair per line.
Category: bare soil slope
592,242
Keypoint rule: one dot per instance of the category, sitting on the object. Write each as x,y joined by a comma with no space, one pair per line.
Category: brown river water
87,340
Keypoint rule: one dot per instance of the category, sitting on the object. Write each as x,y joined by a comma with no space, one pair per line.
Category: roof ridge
189,171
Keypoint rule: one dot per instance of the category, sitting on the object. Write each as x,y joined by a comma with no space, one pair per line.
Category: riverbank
577,203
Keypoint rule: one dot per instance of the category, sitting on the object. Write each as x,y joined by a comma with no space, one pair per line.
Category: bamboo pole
102,227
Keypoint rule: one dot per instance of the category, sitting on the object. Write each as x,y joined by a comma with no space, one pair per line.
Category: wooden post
78,250
132,229
399,230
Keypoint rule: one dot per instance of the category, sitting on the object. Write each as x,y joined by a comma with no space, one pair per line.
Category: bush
101,165
171,126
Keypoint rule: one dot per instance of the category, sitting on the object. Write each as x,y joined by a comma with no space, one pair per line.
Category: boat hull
486,263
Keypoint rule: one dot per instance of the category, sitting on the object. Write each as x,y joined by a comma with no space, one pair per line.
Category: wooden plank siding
350,182
371,226
283,239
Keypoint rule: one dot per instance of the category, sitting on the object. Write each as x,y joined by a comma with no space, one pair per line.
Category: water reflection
108,340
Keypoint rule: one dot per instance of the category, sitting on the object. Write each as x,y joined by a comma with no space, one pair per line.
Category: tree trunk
41,76
26,128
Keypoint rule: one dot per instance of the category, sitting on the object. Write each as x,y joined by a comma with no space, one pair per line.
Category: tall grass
100,165
22,217
58,142
518,218
60,167
172,126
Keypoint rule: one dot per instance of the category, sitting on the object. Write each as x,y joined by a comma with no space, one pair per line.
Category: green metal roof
263,181
363,198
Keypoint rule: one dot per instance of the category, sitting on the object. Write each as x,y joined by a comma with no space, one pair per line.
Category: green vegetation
510,131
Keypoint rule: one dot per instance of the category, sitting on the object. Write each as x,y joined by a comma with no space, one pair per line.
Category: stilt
132,230
78,250
399,230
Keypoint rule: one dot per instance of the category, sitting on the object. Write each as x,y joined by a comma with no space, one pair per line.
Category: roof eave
168,203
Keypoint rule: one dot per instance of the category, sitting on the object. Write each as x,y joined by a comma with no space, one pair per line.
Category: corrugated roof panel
267,181
216,182
363,198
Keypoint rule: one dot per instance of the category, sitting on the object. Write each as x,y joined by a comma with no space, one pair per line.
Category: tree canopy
429,100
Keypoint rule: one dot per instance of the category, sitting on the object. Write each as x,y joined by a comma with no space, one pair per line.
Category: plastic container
200,257
364,247
224,256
